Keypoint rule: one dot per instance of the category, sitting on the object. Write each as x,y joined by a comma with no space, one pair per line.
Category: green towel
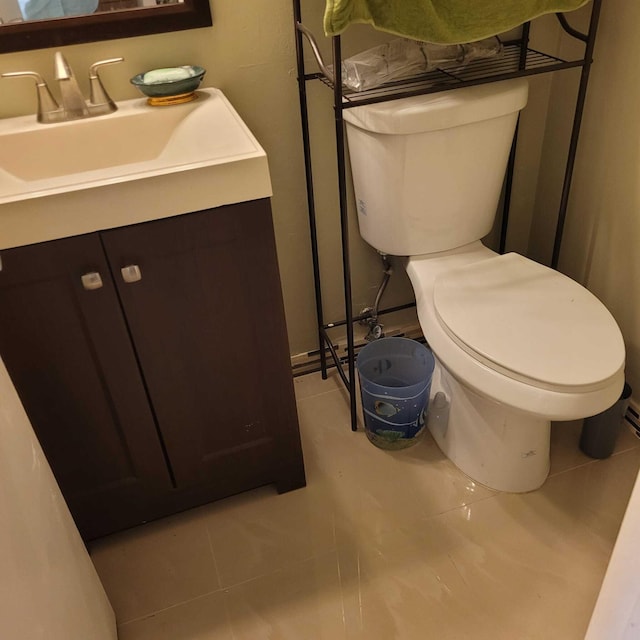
440,21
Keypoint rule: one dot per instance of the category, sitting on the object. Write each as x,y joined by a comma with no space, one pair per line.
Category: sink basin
151,162
130,136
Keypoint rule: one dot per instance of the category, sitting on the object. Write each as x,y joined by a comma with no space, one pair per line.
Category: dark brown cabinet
153,363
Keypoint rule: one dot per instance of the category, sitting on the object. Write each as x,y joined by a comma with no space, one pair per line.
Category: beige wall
603,223
249,54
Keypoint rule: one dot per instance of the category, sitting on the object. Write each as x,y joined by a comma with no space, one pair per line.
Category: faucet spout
72,105
61,66
72,100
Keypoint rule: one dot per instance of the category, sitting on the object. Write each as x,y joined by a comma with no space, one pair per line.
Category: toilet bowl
516,344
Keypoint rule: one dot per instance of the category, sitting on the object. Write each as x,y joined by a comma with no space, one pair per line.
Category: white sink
137,164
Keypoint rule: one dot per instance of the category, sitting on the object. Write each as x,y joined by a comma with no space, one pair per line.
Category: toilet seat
529,323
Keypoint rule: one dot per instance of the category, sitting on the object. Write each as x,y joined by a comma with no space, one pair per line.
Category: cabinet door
207,321
69,355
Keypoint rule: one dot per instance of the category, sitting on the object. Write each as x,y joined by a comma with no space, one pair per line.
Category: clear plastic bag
403,58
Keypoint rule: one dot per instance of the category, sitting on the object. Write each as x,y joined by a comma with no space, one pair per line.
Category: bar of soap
170,74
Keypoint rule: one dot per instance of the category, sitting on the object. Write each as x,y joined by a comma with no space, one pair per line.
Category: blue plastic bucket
395,379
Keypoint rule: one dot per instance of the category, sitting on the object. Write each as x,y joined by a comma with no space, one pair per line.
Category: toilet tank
428,170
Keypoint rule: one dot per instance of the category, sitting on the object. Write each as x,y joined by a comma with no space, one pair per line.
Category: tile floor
378,546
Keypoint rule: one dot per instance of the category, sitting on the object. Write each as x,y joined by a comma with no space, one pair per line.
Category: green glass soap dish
170,91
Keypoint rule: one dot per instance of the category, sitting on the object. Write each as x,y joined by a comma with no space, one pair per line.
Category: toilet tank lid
441,110
530,323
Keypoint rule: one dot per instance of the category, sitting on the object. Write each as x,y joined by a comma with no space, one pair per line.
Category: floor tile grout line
630,448
172,606
213,555
580,465
495,494
225,589
316,395
592,461
285,567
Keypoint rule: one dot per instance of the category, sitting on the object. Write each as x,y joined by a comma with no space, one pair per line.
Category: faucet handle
47,106
94,67
98,96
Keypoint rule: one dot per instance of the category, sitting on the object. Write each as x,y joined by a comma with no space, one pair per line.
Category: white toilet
517,344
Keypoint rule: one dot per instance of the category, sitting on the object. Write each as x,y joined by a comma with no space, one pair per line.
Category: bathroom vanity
145,331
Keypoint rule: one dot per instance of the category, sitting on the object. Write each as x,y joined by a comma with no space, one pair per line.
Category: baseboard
309,362
632,417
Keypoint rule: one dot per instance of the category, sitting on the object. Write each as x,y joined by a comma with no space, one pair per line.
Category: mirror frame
110,25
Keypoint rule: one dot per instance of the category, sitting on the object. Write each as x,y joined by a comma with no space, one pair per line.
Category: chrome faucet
72,103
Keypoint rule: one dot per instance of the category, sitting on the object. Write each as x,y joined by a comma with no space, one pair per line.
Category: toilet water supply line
375,328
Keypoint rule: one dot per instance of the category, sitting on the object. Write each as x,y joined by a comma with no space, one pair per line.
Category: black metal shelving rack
518,60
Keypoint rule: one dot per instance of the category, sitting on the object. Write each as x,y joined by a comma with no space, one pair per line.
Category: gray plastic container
395,380
600,432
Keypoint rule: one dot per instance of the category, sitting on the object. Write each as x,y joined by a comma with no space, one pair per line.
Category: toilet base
493,444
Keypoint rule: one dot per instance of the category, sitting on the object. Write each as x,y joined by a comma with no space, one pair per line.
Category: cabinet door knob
131,273
91,280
